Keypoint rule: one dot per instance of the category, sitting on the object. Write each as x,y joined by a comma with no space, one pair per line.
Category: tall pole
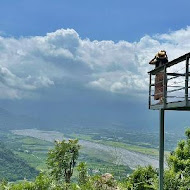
161,151
187,80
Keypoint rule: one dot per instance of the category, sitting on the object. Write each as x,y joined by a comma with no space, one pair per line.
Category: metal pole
150,84
161,151
165,86
186,80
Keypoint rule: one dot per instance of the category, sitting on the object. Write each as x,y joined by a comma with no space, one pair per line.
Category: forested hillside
12,167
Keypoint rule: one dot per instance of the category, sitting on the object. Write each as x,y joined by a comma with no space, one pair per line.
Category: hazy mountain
83,112
9,121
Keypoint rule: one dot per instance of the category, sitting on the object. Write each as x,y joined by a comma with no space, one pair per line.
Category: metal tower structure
175,96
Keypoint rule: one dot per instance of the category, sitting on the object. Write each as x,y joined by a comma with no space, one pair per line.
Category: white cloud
28,64
120,82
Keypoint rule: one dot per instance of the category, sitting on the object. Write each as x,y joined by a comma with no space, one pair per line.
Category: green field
34,152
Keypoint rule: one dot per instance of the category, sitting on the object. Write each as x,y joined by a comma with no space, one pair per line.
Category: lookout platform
175,83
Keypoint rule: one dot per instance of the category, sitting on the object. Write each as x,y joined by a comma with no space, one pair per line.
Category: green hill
12,167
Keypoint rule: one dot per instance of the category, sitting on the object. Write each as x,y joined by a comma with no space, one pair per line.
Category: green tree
83,173
3,184
143,178
62,159
179,160
179,165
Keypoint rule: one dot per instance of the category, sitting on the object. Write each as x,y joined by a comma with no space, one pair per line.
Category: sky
86,57
113,20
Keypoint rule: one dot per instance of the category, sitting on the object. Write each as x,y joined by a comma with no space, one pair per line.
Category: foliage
83,173
105,182
143,178
174,181
178,174
12,167
62,159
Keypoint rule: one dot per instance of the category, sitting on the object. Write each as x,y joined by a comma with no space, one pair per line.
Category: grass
34,141
32,150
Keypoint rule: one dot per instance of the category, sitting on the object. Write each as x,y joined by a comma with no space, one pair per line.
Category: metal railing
169,83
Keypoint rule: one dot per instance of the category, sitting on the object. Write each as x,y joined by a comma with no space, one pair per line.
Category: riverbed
118,156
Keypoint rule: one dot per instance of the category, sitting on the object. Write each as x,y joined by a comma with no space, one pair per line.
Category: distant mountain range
10,121
76,115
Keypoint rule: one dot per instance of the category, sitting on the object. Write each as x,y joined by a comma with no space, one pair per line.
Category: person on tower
160,59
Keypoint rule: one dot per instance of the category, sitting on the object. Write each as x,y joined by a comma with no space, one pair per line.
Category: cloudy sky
60,50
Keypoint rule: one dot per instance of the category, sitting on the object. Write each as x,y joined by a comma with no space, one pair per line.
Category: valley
103,151
117,151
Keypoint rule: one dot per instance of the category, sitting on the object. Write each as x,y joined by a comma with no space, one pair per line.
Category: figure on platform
160,59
